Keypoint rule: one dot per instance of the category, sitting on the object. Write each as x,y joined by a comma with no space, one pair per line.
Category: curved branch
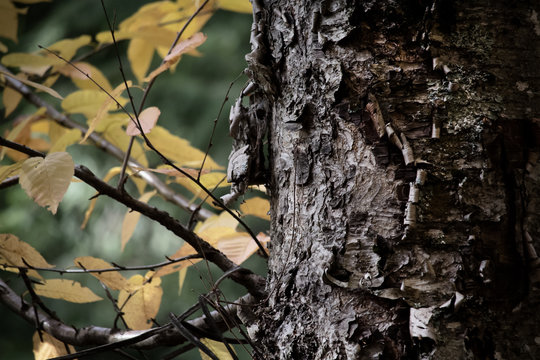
165,335
166,192
252,282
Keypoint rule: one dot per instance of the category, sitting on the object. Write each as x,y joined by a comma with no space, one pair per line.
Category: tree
404,167
403,173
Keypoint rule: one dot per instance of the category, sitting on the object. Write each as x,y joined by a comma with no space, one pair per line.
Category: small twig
210,142
115,268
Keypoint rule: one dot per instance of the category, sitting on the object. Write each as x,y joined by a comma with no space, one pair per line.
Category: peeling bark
404,159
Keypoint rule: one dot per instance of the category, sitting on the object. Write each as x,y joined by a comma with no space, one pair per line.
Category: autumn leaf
10,170
82,81
141,304
184,250
67,290
47,346
31,63
112,279
256,206
104,108
132,218
67,48
10,98
46,180
13,251
218,348
182,47
46,89
240,246
68,137
241,6
181,279
179,150
147,119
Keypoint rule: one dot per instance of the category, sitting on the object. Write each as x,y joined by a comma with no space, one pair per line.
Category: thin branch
115,268
165,191
252,282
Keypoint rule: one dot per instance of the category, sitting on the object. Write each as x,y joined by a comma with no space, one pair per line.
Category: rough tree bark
404,157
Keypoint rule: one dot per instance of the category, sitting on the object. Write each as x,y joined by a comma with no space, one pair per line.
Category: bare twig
115,268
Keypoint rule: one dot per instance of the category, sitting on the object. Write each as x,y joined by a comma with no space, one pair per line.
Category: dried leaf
218,348
46,89
132,218
10,170
13,251
50,347
112,279
184,250
46,180
240,246
143,304
147,119
181,48
67,290
256,206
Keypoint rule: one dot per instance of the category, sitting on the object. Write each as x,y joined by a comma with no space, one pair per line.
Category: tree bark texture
403,142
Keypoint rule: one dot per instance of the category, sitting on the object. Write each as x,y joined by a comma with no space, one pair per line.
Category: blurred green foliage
189,100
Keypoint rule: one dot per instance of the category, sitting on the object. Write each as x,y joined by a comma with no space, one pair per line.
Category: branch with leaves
46,174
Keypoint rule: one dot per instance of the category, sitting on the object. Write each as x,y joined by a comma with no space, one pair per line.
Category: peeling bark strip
405,178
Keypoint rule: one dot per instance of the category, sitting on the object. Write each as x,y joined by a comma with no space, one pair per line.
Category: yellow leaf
112,279
222,220
46,89
67,290
181,48
218,348
21,134
8,20
11,99
241,6
181,279
81,81
178,150
13,251
132,218
140,54
116,135
147,119
142,306
31,63
10,170
69,137
3,47
50,347
46,180
104,108
184,250
85,102
256,206
240,246
68,47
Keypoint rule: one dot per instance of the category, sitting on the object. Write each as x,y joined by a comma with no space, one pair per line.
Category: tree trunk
404,158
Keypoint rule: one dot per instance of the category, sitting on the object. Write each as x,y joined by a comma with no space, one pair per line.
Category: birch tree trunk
404,157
